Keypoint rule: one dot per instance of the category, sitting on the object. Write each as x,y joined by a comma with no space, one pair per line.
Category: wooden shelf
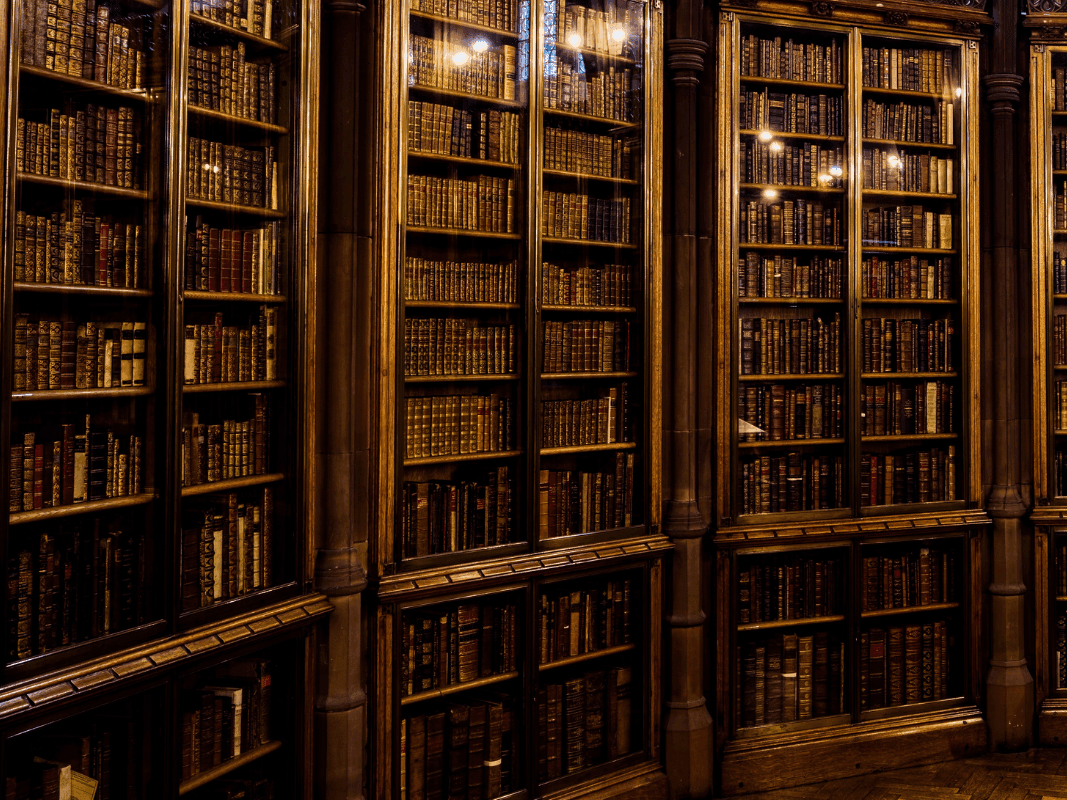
903,194
588,243
85,84
788,82
788,443
877,376
814,376
90,507
238,33
474,162
869,247
460,457
76,289
591,309
584,51
235,386
788,623
790,301
464,306
911,437
82,186
468,234
458,23
76,394
907,301
948,94
814,137
511,376
903,143
810,248
585,176
570,376
791,189
892,612
233,119
617,124
230,484
588,448
607,652
236,208
227,766
455,688
469,96
232,297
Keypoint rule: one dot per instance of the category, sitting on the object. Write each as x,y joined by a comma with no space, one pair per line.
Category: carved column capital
685,59
344,7
1005,502
338,572
1003,91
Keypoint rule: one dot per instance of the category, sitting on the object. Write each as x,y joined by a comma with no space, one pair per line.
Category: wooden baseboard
793,759
643,782
1052,723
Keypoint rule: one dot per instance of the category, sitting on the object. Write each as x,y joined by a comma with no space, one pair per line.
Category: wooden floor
1036,775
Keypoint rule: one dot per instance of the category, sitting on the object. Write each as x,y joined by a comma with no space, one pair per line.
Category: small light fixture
776,147
574,39
618,34
770,194
824,178
836,171
479,45
895,162
959,91
460,57
765,136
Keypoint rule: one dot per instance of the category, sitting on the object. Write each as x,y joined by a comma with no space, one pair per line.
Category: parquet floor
1035,775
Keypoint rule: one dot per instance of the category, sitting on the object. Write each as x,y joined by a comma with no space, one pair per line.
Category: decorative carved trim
460,576
143,659
1003,93
1046,6
685,58
821,8
1049,515
896,18
854,527
968,27
338,572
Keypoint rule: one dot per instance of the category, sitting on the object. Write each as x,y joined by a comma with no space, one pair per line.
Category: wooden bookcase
848,483
156,522
560,337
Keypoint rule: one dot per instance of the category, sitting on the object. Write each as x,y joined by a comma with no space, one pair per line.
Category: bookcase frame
156,655
779,755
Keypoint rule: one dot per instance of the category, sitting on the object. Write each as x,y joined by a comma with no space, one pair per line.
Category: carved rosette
820,8
968,27
898,19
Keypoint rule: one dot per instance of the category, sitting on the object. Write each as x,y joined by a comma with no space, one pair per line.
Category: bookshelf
518,418
154,295
848,476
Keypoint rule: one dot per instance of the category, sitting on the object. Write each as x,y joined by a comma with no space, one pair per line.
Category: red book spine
101,263
226,267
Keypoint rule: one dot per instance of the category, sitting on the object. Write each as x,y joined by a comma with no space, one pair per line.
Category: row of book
84,142
792,61
891,171
226,716
228,173
1060,656
1059,146
580,86
1059,339
807,346
917,578
789,677
588,153
218,353
907,277
790,222
74,468
448,425
603,285
791,165
792,482
906,226
568,215
1059,406
79,39
789,277
230,449
818,114
66,354
777,412
484,203
457,644
499,14
908,345
460,281
909,122
254,16
906,409
789,587
221,79
586,345
573,501
227,548
1060,550
445,130
604,419
915,476
461,750
910,69
572,623
902,665
438,64
448,517
227,260
74,586
584,721
78,249
1059,205
605,31
440,346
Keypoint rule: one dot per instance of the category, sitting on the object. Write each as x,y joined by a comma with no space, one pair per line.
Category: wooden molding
850,527
1052,722
959,18
638,783
161,654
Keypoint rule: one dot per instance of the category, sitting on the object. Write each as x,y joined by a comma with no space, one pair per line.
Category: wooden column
1009,685
688,745
343,396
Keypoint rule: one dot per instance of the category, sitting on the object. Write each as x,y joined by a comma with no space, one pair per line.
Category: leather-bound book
477,738
913,642
837,688
820,684
805,675
760,684
895,669
927,665
789,677
773,681
877,672
748,684
594,717
435,756
417,758
574,696
458,751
